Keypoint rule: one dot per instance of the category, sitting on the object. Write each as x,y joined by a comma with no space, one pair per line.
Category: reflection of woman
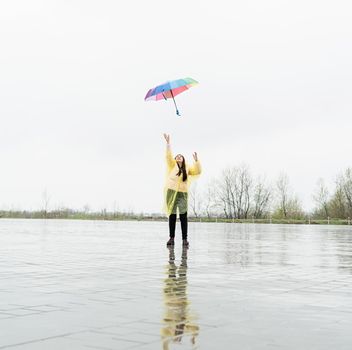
177,182
177,319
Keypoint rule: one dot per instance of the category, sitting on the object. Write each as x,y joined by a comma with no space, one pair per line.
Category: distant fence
305,221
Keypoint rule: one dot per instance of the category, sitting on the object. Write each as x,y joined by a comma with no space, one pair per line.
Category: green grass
78,215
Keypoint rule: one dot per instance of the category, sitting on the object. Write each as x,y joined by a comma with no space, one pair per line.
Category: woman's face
179,159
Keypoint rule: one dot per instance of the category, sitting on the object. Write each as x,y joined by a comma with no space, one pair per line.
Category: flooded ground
114,285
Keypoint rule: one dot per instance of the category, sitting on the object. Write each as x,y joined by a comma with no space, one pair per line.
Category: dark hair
182,169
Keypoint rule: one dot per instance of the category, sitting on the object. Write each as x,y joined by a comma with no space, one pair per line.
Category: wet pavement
114,285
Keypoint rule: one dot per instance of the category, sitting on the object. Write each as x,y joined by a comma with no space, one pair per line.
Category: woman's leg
183,204
184,225
170,202
172,225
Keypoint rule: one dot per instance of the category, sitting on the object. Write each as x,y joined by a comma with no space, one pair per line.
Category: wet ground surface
114,285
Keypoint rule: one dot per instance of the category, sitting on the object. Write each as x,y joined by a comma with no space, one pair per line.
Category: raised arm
196,168
170,161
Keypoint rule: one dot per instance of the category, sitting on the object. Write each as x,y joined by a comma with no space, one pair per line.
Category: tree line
238,194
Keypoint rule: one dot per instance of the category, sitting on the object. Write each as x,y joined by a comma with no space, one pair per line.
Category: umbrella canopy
170,89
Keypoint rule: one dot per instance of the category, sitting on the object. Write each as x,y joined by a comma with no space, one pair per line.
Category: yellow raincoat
176,190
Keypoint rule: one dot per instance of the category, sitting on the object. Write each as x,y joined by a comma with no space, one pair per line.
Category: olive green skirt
176,201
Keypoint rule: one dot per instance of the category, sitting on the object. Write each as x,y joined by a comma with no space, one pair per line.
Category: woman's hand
167,138
195,156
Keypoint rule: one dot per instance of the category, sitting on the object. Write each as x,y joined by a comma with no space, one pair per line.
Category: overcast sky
274,91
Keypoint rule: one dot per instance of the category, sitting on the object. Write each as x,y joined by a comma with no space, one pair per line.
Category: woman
177,183
179,321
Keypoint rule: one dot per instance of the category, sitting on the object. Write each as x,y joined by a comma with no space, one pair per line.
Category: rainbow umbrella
170,89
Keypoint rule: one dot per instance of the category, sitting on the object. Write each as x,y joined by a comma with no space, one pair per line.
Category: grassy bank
78,215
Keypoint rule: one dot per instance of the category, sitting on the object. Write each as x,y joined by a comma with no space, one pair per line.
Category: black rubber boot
170,242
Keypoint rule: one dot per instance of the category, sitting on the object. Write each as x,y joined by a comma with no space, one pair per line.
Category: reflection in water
178,322
341,248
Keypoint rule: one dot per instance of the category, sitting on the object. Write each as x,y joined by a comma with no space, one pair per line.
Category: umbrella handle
177,112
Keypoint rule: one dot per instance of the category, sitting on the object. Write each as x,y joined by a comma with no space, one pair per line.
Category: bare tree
234,192
346,184
242,184
337,204
288,205
209,199
261,198
45,202
223,193
195,200
321,197
295,209
115,209
86,209
282,194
